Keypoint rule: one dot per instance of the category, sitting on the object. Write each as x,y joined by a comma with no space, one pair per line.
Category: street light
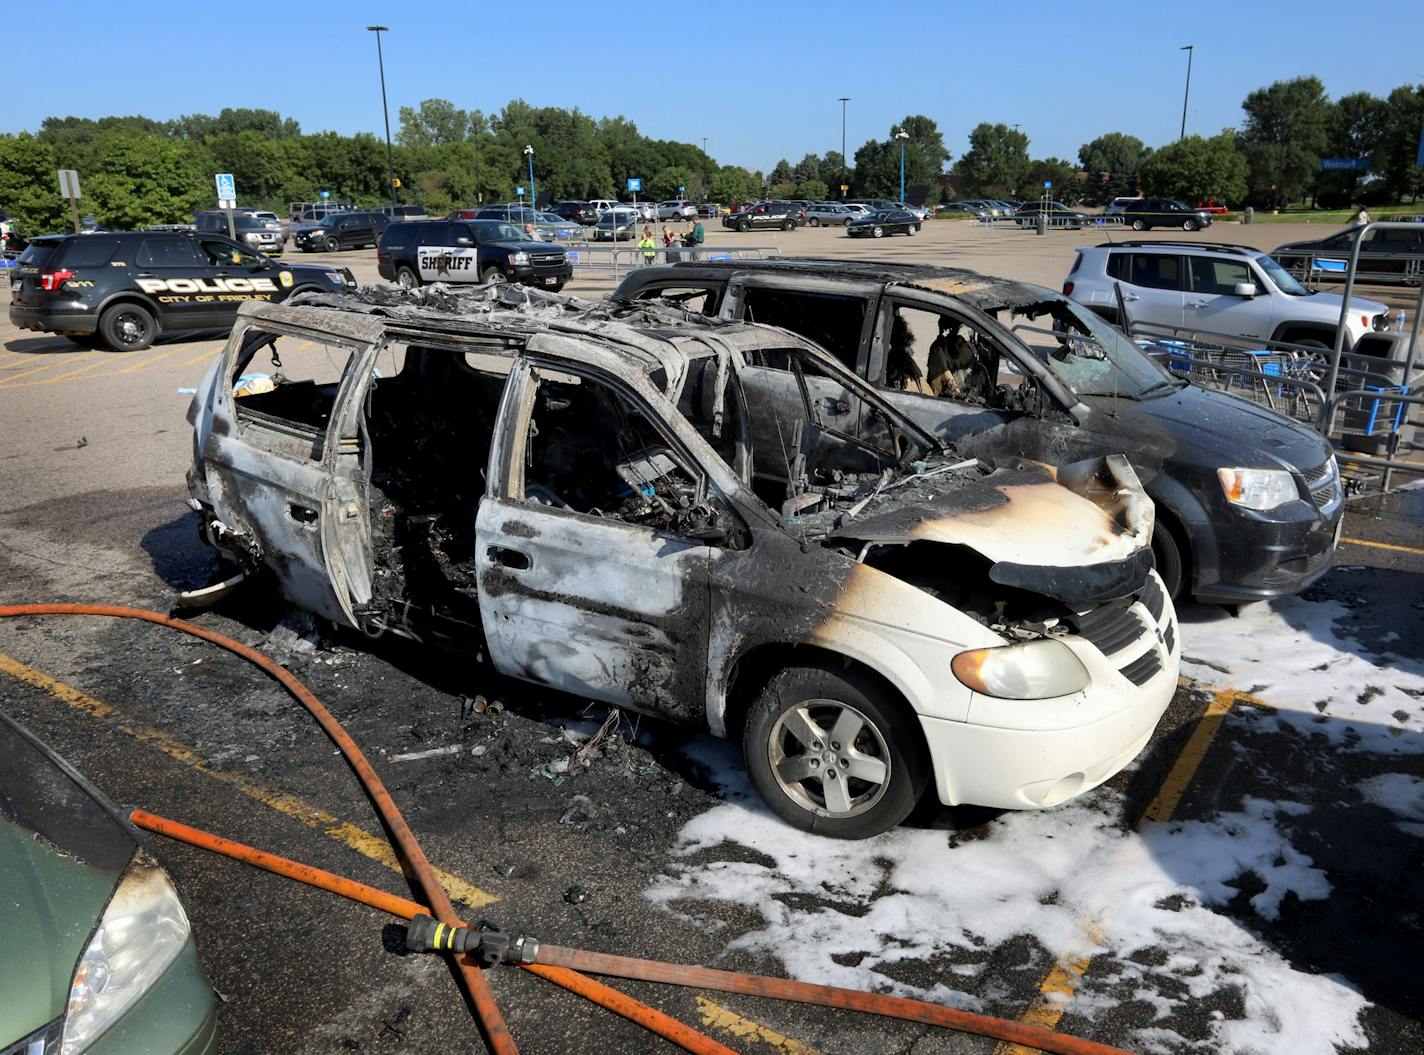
843,100
902,136
529,153
385,110
1188,48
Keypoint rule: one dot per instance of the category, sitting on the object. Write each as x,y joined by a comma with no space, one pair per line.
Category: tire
1167,558
1189,225
331,245
492,275
846,222
789,225
912,230
1139,225
885,752
813,222
406,278
744,226
877,232
128,327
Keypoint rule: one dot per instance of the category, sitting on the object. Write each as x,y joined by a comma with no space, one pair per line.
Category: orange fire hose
635,1011
555,959
487,1013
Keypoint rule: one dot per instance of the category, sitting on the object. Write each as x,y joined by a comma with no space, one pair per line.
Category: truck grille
1324,484
43,1041
547,259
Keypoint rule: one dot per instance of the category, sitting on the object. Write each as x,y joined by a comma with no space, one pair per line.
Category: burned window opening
1086,353
431,427
300,392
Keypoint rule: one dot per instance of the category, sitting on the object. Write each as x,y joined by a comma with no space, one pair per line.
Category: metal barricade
627,257
1402,436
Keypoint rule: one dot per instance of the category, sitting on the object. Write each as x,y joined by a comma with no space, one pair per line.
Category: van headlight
1036,670
1259,489
142,931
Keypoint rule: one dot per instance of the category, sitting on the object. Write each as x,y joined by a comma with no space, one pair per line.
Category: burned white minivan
594,505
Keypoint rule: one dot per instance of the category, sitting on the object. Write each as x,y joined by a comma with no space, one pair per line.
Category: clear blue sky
759,80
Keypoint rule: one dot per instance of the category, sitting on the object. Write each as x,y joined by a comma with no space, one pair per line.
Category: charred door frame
733,302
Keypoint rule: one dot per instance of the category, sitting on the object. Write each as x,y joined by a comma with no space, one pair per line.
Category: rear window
37,254
88,251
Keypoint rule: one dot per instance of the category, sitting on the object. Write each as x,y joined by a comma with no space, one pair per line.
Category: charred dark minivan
1249,504
711,522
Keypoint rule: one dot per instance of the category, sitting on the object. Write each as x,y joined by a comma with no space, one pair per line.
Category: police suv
121,289
469,251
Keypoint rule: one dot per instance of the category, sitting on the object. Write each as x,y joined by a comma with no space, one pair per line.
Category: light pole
529,153
902,136
1188,48
385,111
843,100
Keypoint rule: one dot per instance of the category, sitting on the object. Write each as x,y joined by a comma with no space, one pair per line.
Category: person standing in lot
648,246
695,236
1360,218
669,237
530,233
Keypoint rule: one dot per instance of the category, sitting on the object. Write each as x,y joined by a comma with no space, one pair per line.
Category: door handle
1196,304
509,558
1130,296
302,514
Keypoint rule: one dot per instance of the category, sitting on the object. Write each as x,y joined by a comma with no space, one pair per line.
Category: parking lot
1252,884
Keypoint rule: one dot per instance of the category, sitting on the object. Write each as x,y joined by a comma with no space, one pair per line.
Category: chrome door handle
509,558
1130,296
1197,304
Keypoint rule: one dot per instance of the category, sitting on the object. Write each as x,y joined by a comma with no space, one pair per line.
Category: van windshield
1086,353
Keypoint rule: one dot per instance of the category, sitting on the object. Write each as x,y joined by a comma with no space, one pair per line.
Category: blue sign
1048,184
519,192
227,187
634,184
325,194
681,189
1344,164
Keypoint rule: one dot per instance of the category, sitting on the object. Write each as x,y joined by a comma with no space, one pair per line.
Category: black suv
1146,213
1387,255
348,230
122,289
469,251
784,214
576,212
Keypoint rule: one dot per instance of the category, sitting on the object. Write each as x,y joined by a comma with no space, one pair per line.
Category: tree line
135,170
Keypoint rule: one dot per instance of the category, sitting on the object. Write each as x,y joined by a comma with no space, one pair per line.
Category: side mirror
464,241
1245,289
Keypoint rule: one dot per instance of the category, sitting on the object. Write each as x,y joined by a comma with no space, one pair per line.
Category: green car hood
62,852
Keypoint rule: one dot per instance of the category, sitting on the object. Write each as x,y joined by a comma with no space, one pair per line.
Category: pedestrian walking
648,246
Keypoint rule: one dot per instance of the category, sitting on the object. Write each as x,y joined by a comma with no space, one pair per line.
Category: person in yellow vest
648,246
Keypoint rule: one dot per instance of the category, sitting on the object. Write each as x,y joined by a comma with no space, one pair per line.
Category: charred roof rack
1153,243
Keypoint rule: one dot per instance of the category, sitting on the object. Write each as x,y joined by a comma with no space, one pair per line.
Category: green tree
732,183
1284,136
996,162
814,189
1196,169
1068,182
877,162
1111,164
781,172
29,188
808,168
835,171
1398,150
673,182
147,179
781,190
433,123
1355,128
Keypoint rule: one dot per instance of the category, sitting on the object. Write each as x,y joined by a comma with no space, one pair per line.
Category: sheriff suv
122,289
469,251
1214,288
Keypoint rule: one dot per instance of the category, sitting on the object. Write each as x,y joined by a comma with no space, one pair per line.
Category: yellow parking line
1383,545
724,1020
1062,981
62,377
151,360
317,819
47,366
202,357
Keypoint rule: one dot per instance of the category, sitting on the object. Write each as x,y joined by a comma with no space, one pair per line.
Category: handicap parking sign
634,184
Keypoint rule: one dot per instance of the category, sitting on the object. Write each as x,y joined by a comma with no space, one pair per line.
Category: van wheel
406,278
127,327
1167,557
830,751
492,274
1139,225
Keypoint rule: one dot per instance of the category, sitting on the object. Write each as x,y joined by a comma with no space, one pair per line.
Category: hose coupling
484,943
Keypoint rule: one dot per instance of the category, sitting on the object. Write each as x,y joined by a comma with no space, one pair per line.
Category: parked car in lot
404,212
580,212
764,214
715,523
677,210
350,230
248,229
554,228
1119,204
489,251
885,222
828,213
1218,288
710,209
1059,215
99,953
1248,503
1146,213
1385,255
615,225
269,220
120,290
